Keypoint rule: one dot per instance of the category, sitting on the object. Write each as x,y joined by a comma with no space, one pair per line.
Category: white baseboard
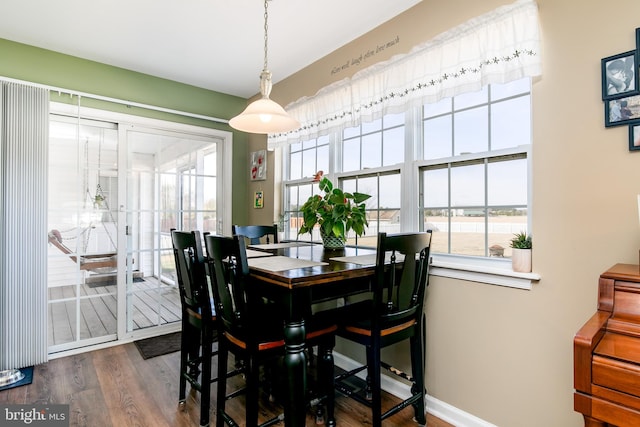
440,409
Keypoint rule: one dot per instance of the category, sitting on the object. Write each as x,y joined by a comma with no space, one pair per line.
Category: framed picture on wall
619,75
259,165
634,136
621,111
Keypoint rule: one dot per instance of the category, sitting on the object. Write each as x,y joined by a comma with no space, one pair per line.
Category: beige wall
501,354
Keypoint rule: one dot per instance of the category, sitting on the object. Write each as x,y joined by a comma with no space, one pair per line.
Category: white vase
521,260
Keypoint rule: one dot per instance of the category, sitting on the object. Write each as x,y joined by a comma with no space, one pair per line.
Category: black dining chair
199,328
257,234
253,335
393,314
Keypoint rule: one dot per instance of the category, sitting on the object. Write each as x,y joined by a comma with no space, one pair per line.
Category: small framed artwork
619,75
634,136
258,200
621,111
259,165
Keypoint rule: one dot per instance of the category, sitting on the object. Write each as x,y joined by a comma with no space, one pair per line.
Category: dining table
298,275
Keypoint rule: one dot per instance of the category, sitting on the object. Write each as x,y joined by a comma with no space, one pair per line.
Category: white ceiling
213,44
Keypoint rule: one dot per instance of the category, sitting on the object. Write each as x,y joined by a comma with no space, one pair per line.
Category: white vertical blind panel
24,130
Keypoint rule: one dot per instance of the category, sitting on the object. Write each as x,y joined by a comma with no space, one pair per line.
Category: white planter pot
521,260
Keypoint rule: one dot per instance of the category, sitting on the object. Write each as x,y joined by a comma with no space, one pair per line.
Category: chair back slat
400,283
257,234
229,269
190,271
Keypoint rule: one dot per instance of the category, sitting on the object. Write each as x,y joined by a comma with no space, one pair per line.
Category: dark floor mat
157,346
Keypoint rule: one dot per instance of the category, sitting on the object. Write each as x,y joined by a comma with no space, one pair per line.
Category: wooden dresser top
626,272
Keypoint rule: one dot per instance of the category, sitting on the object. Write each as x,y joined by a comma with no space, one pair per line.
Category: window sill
481,270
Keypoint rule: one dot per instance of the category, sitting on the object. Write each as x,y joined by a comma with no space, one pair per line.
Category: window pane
393,120
323,159
470,99
502,226
471,131
507,182
511,123
390,191
351,155
393,146
437,137
309,163
209,166
436,187
467,233
372,126
467,186
516,87
296,146
295,167
371,151
293,197
437,220
351,132
369,185
441,107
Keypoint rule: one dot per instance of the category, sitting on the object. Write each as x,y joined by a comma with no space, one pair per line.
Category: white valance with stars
500,46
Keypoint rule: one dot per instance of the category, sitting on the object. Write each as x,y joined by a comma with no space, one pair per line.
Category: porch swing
100,263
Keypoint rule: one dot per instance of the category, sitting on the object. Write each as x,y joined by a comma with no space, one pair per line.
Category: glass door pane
82,262
171,183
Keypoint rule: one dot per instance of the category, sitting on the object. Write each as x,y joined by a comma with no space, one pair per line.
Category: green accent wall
31,64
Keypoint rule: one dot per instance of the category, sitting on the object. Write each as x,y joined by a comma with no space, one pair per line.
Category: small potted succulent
521,252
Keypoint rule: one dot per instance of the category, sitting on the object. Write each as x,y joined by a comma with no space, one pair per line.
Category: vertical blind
24,138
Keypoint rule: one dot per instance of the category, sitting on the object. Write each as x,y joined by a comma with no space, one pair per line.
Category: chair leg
417,371
253,376
373,367
205,381
223,354
184,352
326,376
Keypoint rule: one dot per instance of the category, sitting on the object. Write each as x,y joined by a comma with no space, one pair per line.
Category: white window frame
485,270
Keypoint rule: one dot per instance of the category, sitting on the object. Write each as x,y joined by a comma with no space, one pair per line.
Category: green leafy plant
521,241
336,212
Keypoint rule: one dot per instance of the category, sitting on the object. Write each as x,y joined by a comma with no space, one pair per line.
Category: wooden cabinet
606,359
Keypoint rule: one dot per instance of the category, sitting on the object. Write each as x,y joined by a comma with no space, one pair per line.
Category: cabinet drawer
616,375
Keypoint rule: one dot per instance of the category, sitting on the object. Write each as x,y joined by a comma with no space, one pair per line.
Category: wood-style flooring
116,387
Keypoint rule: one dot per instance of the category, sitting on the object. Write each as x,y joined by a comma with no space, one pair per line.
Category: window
461,169
473,177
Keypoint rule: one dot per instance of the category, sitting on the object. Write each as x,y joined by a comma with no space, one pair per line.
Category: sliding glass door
172,183
83,232
116,190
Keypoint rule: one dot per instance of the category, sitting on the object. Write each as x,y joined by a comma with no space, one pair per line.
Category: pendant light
264,115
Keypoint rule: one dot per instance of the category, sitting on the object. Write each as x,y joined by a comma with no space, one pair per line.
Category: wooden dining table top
331,265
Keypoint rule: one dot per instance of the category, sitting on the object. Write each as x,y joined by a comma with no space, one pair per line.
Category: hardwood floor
116,387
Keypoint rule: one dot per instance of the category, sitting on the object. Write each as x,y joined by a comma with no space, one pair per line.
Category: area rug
28,378
157,346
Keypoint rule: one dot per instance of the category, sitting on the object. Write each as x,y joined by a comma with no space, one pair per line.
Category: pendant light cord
266,39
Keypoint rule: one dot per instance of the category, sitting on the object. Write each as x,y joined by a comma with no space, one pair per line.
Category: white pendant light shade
264,116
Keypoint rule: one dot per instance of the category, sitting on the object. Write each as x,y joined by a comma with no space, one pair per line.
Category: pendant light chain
266,18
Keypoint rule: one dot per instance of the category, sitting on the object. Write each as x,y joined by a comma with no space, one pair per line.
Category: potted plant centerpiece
336,213
521,252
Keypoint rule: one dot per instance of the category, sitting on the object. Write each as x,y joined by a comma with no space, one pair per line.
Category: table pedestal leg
295,362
